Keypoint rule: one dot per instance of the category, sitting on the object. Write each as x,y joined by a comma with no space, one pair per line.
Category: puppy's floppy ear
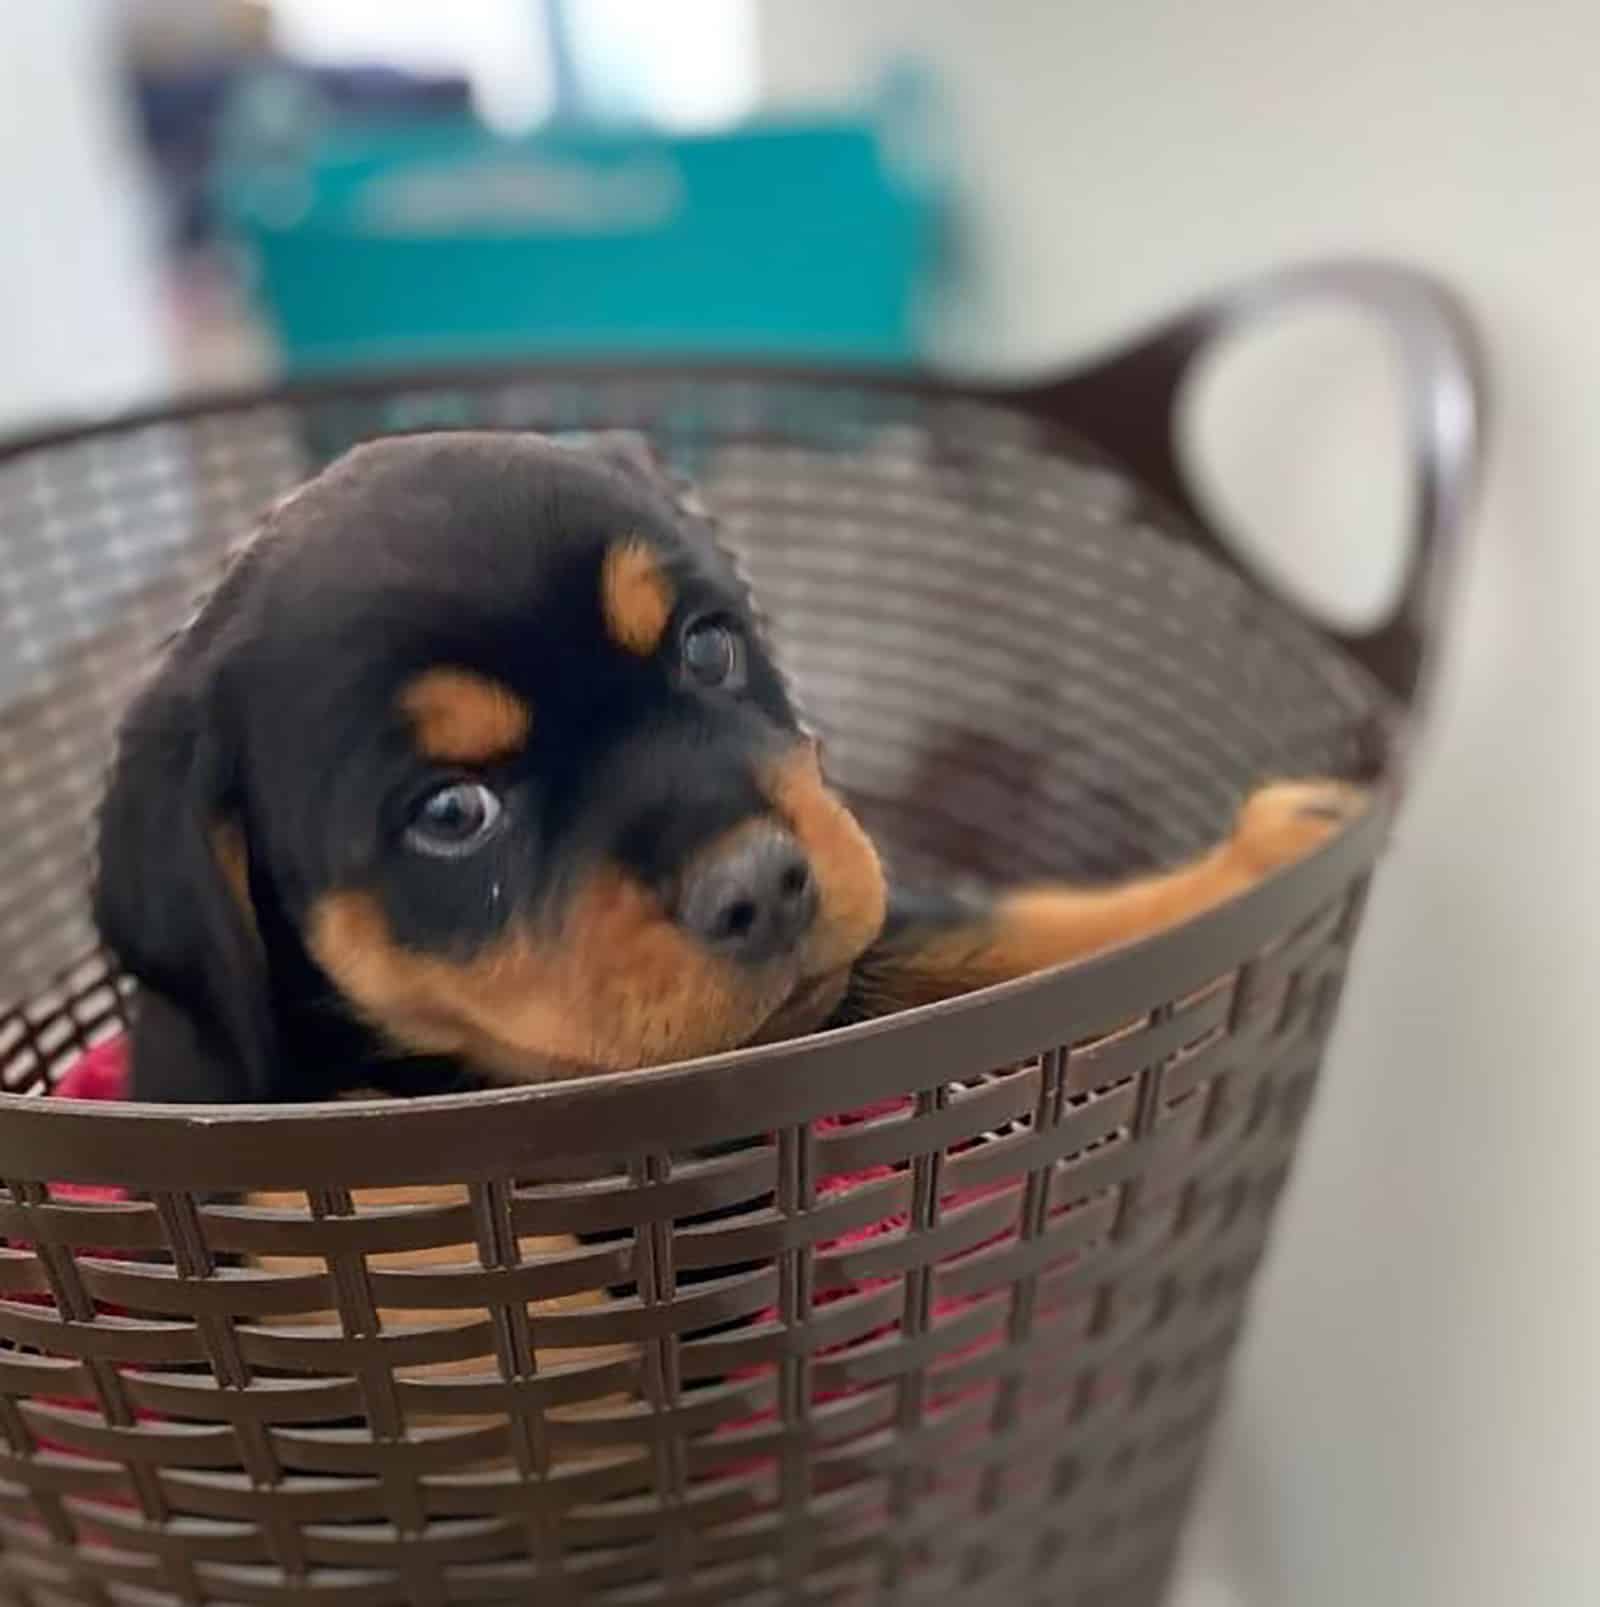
172,898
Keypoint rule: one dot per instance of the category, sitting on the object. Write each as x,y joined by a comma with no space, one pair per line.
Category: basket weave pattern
936,1313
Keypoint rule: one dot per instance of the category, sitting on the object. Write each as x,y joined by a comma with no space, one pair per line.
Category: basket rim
467,1136
363,381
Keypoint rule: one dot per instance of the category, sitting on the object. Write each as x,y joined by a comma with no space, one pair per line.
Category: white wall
81,321
1416,1418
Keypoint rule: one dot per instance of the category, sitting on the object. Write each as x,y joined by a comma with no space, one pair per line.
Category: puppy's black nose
752,900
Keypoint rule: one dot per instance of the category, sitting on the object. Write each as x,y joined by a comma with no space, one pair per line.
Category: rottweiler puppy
475,767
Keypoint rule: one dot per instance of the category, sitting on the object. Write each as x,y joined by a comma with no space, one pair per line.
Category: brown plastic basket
936,1309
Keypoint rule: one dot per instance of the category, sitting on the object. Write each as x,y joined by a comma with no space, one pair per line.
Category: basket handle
1113,400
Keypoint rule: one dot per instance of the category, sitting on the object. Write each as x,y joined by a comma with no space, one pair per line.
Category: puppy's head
478,748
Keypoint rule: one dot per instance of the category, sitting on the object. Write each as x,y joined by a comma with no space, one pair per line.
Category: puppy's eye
713,654
454,820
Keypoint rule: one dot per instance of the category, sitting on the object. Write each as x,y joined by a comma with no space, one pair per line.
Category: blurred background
204,193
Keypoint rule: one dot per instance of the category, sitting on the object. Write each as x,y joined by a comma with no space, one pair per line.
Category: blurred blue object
438,242
178,111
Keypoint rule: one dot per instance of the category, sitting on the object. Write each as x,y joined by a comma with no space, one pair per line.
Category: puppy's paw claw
1286,820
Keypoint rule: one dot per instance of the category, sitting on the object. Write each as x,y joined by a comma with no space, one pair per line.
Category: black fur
275,712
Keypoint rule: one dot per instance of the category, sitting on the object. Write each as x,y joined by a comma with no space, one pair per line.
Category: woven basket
936,1309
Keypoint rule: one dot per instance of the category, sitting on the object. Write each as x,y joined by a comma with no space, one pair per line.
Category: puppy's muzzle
751,900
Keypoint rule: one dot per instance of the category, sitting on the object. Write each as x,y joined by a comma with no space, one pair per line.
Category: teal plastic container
393,245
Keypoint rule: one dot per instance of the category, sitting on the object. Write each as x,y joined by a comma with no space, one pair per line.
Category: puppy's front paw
1286,820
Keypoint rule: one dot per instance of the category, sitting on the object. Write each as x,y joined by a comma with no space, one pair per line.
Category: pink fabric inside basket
102,1074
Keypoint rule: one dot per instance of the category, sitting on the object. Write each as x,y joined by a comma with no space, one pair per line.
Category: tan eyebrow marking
635,597
461,717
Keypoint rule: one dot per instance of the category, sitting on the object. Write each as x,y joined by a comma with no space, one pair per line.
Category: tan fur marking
233,859
1039,927
619,986
851,893
461,717
635,597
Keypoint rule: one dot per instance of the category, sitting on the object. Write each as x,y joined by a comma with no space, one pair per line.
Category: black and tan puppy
475,766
